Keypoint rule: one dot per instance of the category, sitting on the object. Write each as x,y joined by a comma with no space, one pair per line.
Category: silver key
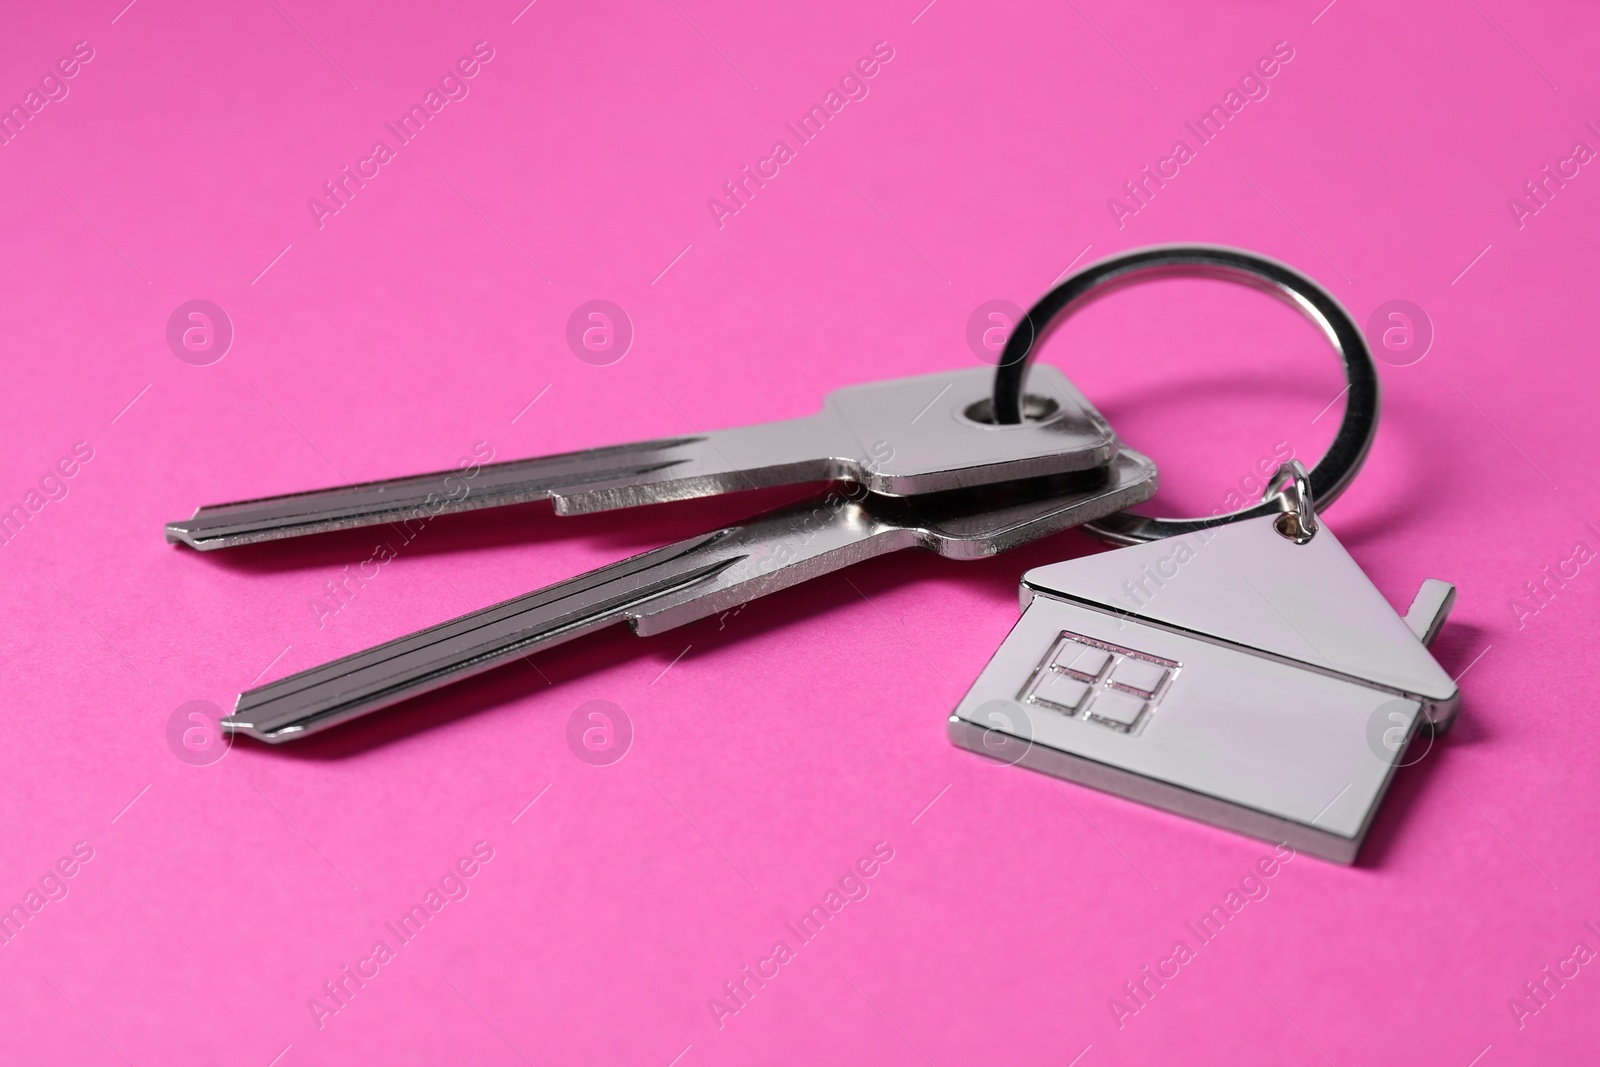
690,580
896,438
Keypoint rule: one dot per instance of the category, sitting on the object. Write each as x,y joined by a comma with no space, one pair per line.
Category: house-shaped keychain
1242,676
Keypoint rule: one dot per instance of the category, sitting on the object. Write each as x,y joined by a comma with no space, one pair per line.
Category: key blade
423,496
358,684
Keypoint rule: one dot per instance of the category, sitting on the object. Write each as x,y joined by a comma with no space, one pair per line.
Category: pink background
788,739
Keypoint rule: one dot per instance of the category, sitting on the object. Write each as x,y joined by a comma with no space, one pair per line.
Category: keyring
1356,430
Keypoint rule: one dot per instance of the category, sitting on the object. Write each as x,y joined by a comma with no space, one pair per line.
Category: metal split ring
1356,430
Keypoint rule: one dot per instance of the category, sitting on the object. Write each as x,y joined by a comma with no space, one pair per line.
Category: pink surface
774,749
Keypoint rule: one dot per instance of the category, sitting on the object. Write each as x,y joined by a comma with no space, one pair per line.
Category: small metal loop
1356,430
1290,489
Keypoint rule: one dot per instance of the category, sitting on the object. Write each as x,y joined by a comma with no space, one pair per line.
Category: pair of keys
916,462
1240,669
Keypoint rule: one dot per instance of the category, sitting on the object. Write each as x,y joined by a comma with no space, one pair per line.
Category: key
896,438
695,578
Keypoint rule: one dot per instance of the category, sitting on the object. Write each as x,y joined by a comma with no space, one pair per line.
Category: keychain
1239,669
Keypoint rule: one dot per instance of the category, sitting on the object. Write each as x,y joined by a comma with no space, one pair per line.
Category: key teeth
612,496
636,487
